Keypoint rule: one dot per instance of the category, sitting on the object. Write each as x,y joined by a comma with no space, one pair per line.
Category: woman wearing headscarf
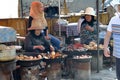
87,26
35,40
37,12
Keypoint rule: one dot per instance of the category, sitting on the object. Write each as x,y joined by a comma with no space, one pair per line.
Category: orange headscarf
37,13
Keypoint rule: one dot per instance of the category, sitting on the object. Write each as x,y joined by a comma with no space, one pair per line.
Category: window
8,9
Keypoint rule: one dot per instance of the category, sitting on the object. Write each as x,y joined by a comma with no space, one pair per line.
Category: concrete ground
107,73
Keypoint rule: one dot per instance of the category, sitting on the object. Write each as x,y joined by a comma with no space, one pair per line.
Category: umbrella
110,2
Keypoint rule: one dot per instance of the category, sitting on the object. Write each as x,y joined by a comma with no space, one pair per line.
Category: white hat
36,24
116,6
112,4
89,11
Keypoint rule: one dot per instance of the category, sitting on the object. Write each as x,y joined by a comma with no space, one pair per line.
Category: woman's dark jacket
32,40
87,36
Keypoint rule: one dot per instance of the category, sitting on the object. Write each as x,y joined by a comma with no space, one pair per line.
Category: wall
73,6
19,24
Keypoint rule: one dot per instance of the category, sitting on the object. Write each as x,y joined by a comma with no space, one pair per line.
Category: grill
6,69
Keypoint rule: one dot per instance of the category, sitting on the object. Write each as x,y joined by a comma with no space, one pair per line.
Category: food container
6,69
29,62
54,66
53,69
81,68
94,58
7,54
77,40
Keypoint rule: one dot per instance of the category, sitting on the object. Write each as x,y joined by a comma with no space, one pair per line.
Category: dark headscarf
91,23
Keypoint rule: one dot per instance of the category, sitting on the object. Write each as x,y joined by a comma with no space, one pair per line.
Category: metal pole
97,12
21,8
59,20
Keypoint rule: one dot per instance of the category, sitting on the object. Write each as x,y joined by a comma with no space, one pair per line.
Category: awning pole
97,12
59,20
21,8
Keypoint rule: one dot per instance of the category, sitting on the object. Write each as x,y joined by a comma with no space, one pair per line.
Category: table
69,29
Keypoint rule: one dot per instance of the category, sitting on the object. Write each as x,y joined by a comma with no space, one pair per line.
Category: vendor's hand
52,48
106,53
39,47
17,66
47,37
87,27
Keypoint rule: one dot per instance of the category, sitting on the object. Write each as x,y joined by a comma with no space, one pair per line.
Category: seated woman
37,12
35,40
87,26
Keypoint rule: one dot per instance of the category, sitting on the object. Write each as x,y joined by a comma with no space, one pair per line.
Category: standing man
114,28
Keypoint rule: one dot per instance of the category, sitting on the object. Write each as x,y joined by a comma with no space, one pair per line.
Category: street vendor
87,26
37,12
35,40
